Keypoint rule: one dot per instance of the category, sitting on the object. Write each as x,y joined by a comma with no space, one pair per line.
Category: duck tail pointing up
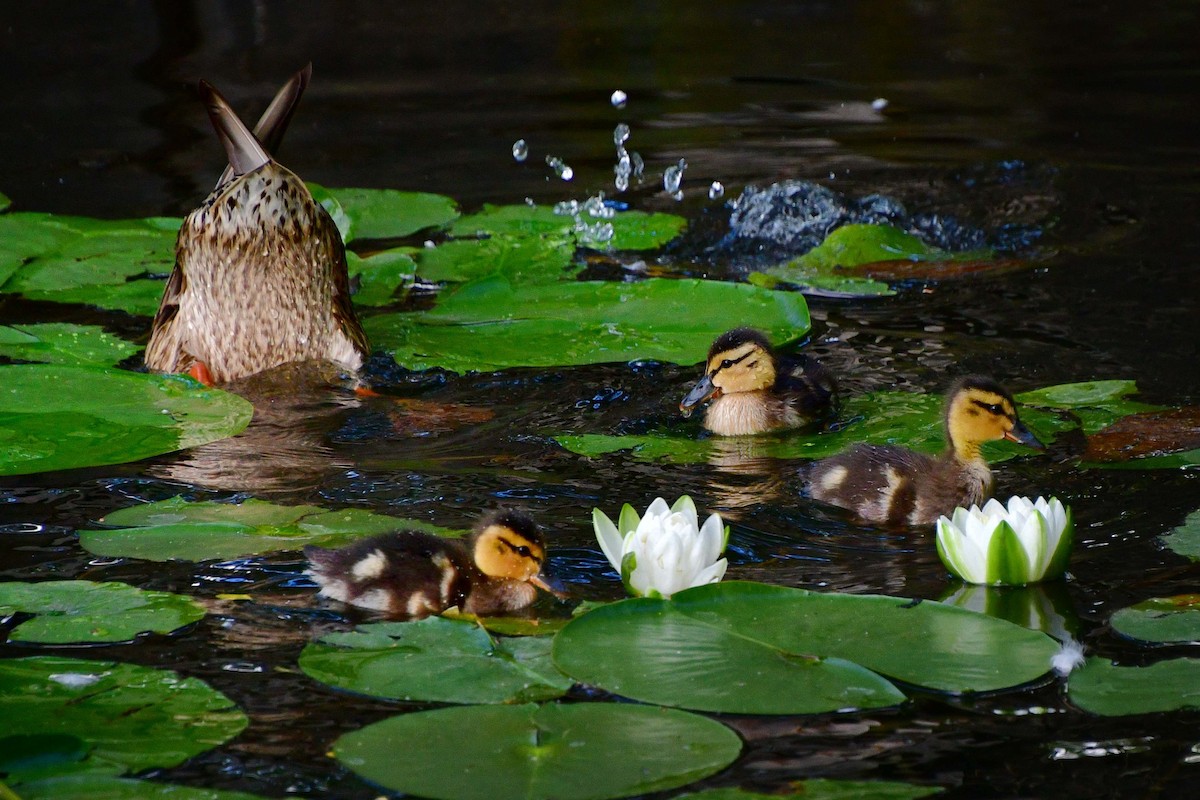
274,121
244,151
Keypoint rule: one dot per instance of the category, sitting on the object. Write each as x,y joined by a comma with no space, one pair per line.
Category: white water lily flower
1023,542
666,550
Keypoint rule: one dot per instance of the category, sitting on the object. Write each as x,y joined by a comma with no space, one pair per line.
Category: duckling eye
524,552
727,363
995,409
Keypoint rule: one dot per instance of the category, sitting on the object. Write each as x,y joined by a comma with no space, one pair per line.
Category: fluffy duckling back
896,486
415,574
755,391
260,269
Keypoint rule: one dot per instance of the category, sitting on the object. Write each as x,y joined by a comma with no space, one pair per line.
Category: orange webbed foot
199,371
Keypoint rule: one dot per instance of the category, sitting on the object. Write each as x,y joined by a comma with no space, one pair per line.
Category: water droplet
619,99
620,134
879,103
567,208
639,166
673,176
717,189
520,150
560,168
832,176
529,202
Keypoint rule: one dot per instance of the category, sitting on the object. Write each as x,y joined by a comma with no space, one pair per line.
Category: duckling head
980,410
738,361
508,545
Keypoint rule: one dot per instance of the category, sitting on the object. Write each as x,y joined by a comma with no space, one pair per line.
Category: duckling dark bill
411,574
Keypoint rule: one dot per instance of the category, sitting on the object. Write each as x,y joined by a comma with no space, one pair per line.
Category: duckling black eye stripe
518,548
729,362
992,408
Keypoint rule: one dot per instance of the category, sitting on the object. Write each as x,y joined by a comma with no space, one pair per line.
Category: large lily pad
63,417
1095,403
435,660
107,787
523,260
759,649
178,529
584,751
903,418
1161,619
381,275
825,789
117,264
129,717
492,324
64,343
72,612
386,213
1185,540
632,230
1103,688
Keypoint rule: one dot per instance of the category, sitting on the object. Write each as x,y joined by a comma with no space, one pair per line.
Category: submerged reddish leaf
1154,433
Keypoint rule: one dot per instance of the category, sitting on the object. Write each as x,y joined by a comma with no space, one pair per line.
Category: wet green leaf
531,752
107,787
64,343
1095,403
178,529
752,648
64,417
825,789
492,324
632,230
1103,688
91,261
72,612
386,213
381,275
1161,619
523,260
435,660
1185,540
130,717
900,418
24,753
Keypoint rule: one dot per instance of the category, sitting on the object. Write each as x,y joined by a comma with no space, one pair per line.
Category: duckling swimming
260,269
415,574
897,486
755,391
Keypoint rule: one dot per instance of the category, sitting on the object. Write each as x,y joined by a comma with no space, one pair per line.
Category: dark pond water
1077,121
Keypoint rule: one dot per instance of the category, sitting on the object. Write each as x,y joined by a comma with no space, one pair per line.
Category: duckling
755,391
896,486
415,574
260,273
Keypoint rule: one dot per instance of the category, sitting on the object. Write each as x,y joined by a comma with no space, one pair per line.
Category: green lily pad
24,753
492,324
903,418
131,718
1096,403
632,230
1161,619
825,789
384,213
583,751
178,529
64,417
380,275
523,260
1185,540
71,612
64,343
107,787
1103,688
435,660
82,260
829,266
751,648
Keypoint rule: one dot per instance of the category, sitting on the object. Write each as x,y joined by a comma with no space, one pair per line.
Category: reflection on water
1059,118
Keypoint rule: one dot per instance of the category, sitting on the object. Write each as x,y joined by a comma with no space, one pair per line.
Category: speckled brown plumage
260,274
753,390
410,574
896,486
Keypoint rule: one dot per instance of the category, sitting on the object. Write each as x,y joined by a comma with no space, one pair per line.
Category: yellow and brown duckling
260,273
411,574
897,486
753,390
